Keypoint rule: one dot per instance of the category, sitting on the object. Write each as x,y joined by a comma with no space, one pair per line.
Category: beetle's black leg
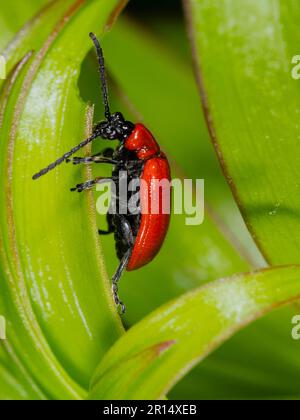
108,152
111,227
126,232
105,232
106,156
91,159
116,278
90,184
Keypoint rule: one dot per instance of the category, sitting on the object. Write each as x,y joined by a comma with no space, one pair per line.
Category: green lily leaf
260,362
15,382
55,293
123,379
10,388
13,16
252,106
196,324
34,34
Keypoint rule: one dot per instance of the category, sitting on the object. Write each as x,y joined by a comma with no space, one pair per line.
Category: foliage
54,286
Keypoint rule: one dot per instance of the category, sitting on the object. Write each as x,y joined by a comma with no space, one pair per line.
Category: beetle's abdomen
155,198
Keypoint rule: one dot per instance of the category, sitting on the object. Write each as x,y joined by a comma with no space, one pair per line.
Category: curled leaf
198,322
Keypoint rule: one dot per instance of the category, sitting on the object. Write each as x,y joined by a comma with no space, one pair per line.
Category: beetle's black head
114,128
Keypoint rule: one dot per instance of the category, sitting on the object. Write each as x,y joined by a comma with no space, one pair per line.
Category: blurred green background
152,78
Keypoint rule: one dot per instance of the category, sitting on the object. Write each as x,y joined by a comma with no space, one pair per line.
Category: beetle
138,236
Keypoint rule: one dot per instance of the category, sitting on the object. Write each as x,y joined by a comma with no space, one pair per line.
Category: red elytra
154,224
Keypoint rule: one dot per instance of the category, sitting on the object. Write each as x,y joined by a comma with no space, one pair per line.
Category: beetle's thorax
142,142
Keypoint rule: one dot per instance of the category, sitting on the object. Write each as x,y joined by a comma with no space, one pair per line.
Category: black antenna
102,75
107,113
64,157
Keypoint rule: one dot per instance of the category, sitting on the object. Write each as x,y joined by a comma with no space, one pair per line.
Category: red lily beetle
138,236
